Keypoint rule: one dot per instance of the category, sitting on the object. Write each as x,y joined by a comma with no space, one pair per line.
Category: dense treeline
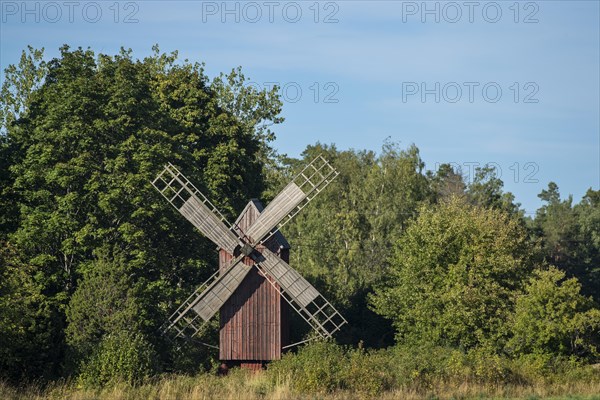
92,260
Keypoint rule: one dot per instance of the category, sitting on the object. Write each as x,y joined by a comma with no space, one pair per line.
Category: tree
16,95
453,276
124,356
570,236
588,241
93,131
8,210
20,85
552,317
342,239
104,303
486,190
30,325
447,182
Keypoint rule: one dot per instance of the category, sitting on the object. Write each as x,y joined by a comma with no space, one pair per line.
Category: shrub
418,365
121,357
553,318
487,366
326,367
369,372
316,367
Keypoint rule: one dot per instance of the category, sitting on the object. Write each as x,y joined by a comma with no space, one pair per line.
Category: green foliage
20,84
92,259
84,135
446,182
588,243
103,304
553,318
120,357
369,372
8,210
570,236
422,365
453,276
30,326
342,240
485,190
316,368
323,367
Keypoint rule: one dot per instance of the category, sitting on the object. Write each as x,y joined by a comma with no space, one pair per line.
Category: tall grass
330,372
255,386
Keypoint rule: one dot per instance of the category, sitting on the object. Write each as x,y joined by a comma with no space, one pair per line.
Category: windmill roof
257,206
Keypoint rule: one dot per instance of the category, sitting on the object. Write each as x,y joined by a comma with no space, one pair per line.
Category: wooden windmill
254,275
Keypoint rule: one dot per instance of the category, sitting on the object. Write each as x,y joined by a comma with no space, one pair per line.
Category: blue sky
507,83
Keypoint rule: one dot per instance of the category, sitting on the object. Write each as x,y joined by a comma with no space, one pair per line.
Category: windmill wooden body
254,287
254,321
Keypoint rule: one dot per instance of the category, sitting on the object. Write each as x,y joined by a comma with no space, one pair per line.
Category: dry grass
255,386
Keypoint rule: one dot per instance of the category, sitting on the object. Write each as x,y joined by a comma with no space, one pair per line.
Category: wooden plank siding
254,321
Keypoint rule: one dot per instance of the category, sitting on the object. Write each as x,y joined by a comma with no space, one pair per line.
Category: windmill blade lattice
300,294
207,300
195,207
293,198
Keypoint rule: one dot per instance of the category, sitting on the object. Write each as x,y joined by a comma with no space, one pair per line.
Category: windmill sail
300,294
207,299
277,209
293,198
208,223
211,300
195,207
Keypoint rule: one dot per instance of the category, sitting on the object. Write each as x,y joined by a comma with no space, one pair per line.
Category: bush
316,367
418,365
121,357
326,367
369,373
487,366
553,318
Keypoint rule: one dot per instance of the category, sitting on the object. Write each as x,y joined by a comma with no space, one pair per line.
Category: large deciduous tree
342,240
86,134
453,276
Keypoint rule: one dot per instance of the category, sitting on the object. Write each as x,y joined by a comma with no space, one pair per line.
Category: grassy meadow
254,386
328,371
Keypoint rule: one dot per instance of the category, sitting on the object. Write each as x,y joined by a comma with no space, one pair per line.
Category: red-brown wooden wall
254,321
